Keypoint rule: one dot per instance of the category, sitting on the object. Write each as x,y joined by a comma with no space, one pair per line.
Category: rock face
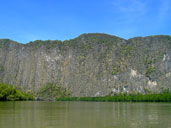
89,65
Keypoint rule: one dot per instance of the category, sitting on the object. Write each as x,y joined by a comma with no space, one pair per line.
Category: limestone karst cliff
89,65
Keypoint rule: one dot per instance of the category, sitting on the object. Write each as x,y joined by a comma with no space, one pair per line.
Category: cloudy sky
28,20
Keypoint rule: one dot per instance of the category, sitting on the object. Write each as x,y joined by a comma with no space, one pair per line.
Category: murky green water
84,115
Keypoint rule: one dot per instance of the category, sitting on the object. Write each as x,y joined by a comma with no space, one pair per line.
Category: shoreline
162,97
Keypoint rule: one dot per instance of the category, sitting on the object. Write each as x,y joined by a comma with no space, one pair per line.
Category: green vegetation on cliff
163,97
9,93
52,91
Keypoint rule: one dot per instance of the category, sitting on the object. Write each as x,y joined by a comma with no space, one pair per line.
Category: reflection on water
84,115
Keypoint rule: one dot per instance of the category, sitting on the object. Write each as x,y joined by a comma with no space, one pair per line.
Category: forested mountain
90,65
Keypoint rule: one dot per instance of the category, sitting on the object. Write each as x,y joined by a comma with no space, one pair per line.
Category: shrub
9,93
52,91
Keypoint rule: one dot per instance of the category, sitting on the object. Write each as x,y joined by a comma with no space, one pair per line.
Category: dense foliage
9,93
52,91
163,97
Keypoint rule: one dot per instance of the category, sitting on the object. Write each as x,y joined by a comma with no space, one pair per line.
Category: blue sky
28,20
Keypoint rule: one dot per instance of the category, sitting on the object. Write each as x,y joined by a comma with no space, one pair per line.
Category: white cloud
131,8
128,15
164,11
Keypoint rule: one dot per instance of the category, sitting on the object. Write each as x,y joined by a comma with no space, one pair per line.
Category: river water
48,114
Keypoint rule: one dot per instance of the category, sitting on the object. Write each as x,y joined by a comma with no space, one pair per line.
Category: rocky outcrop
89,65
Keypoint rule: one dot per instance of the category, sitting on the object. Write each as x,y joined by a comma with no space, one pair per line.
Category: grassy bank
9,93
162,97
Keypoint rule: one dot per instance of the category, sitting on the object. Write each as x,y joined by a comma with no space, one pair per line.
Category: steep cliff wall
89,65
